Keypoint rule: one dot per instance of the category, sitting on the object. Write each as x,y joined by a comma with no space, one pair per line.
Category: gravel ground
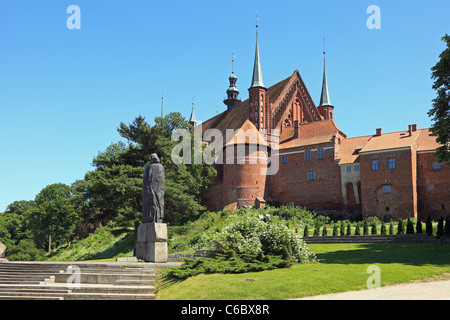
434,290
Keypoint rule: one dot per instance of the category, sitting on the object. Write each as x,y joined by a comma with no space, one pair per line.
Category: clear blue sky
63,93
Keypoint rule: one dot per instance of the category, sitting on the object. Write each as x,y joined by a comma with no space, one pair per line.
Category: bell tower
325,107
232,93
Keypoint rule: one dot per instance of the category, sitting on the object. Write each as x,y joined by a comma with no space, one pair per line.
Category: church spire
325,107
257,79
232,93
325,96
192,120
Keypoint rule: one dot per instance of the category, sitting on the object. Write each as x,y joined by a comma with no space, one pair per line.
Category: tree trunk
49,242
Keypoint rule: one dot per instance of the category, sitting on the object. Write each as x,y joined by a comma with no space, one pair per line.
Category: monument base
151,242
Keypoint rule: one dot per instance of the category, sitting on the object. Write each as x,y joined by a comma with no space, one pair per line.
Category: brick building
388,175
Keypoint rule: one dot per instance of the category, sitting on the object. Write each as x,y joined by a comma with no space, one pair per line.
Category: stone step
8,297
83,288
135,282
80,296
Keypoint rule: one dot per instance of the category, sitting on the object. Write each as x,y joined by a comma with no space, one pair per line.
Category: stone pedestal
151,242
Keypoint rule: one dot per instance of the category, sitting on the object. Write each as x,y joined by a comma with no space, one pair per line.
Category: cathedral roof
235,118
310,133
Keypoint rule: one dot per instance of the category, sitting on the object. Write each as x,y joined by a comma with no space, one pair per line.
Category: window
349,168
436,165
320,154
284,160
387,189
430,187
391,163
374,165
311,175
357,168
308,155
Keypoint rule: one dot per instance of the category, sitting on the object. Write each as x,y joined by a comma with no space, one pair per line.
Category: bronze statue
153,191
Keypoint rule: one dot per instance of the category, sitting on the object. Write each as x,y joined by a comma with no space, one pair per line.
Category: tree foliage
440,112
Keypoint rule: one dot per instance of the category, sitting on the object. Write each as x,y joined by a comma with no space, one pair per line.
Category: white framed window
319,153
386,188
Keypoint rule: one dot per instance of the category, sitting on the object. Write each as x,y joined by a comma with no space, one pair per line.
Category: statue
153,191
151,240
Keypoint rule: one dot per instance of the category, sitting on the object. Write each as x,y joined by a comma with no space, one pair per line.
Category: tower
232,93
325,107
192,120
258,108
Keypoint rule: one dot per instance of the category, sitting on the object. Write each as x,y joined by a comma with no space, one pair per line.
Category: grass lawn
341,267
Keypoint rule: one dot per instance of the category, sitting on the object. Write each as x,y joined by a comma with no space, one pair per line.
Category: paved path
434,290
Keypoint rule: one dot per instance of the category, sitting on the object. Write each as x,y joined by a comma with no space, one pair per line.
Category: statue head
154,158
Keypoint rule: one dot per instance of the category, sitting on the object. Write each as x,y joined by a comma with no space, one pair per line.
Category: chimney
379,132
296,129
412,128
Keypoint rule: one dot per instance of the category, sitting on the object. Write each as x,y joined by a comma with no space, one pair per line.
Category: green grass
342,267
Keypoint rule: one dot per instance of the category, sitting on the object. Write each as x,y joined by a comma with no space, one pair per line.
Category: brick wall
398,202
292,183
433,186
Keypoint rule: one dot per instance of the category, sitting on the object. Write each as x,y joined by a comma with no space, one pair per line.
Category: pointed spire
257,79
325,96
192,120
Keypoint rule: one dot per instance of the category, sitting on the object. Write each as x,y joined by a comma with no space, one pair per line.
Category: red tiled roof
427,142
393,140
240,113
309,134
349,149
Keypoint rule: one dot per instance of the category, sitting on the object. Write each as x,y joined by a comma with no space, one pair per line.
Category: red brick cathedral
388,175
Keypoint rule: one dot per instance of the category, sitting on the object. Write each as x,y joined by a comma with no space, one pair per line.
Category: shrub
249,235
358,229
324,231
306,231
342,228
429,226
366,227
409,227
419,226
391,228
316,230
440,227
335,230
400,227
383,230
349,229
447,226
25,250
374,228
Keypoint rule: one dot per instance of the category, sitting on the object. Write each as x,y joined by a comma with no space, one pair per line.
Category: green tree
400,226
349,229
25,250
419,228
440,112
440,227
429,226
447,226
53,219
366,227
391,227
383,230
409,227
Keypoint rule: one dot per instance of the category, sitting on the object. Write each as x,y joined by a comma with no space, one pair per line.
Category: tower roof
257,78
325,96
192,120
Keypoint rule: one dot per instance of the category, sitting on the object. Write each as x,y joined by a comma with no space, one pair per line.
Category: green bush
391,227
429,226
324,231
342,228
383,230
366,227
248,235
335,230
419,228
225,264
25,250
409,227
440,227
400,227
306,231
447,226
358,229
349,229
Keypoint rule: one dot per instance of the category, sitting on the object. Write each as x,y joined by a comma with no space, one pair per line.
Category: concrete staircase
77,281
398,238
